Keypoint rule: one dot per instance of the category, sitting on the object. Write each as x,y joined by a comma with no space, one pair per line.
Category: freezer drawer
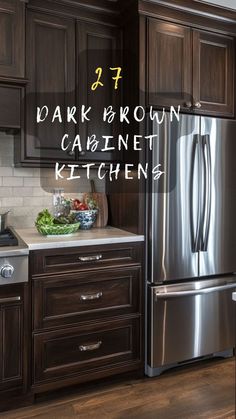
190,320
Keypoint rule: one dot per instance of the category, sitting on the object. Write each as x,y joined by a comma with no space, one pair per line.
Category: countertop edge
109,235
89,242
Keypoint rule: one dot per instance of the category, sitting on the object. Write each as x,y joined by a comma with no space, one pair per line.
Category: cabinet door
11,337
98,46
12,38
51,72
11,106
213,73
169,64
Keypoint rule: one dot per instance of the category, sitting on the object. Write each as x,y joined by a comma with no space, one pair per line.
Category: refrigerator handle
208,193
195,233
166,295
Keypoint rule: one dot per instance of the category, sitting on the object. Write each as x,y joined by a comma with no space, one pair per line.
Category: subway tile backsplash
21,191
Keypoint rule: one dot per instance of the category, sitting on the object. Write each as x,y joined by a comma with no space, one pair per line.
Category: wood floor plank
202,391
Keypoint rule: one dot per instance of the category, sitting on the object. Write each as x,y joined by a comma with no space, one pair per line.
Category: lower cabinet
87,318
85,296
87,351
13,338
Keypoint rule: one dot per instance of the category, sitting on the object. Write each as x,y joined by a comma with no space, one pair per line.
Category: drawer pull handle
9,300
89,297
90,258
90,347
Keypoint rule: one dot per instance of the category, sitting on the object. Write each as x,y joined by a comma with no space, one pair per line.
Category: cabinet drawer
78,351
84,296
87,257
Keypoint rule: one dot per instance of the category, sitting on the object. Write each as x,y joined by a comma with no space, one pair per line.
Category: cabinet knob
71,153
197,105
188,104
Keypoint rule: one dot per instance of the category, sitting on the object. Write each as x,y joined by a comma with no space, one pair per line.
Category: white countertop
95,236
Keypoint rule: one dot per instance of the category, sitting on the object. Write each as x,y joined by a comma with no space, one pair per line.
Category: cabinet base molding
9,401
134,370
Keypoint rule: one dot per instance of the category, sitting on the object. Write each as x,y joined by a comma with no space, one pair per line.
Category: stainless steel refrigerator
191,241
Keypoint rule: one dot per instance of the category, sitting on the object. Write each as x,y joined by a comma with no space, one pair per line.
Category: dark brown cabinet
12,38
169,64
50,65
83,258
62,55
85,296
11,336
11,106
87,314
190,68
86,352
213,72
13,348
98,46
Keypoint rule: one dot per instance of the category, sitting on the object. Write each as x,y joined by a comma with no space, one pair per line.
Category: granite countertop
95,236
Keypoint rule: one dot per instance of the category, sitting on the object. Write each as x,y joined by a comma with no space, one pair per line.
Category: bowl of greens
48,225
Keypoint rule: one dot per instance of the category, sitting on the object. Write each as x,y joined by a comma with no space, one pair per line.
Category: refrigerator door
218,237
173,202
189,320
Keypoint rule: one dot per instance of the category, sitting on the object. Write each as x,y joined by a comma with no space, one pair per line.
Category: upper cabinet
213,72
98,47
190,68
12,39
50,66
169,64
62,55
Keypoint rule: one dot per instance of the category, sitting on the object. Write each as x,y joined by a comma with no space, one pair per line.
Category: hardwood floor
204,390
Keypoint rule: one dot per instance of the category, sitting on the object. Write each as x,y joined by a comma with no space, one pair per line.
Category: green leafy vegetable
92,204
69,219
45,218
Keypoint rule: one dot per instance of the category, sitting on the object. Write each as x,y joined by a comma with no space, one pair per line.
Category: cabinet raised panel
88,257
169,64
213,72
11,106
85,296
51,72
11,325
97,349
12,38
98,46
12,338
